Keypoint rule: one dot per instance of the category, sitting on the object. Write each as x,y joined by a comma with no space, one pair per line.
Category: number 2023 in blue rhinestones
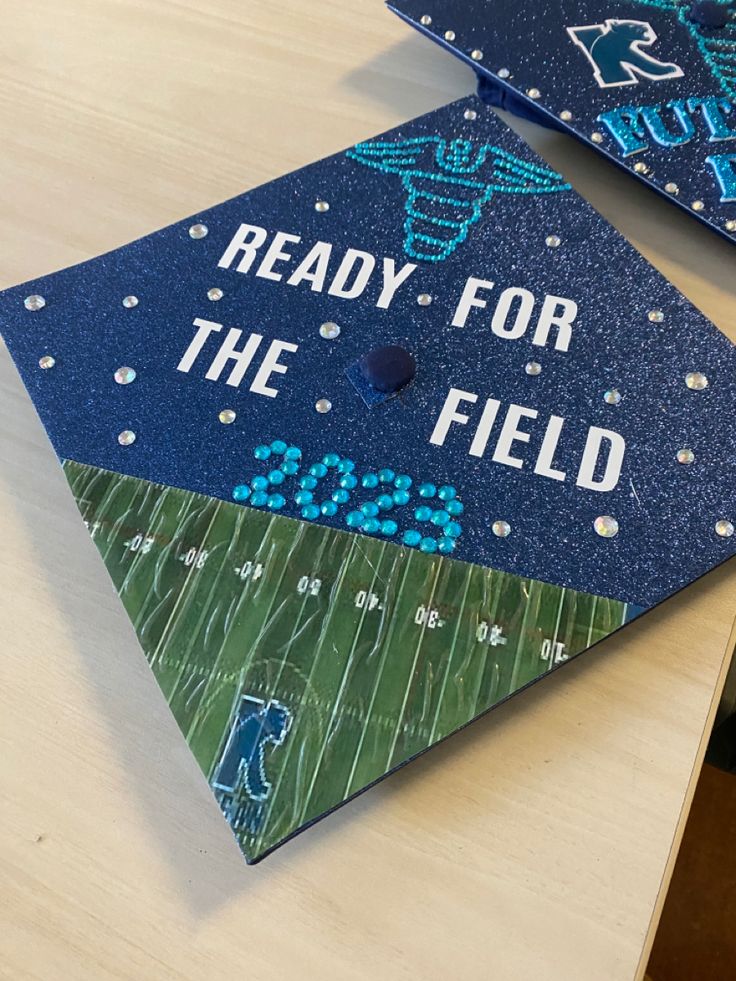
374,503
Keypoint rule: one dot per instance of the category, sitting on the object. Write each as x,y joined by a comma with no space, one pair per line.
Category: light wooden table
536,845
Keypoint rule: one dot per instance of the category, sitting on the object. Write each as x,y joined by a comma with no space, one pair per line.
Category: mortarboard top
372,447
650,84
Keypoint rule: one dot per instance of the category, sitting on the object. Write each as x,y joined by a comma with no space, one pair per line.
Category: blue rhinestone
346,466
303,497
440,518
446,545
412,537
290,467
389,527
370,480
427,490
293,453
308,483
259,483
279,447
385,501
259,499
276,501
354,519
348,481
262,452
454,530
328,508
454,507
276,477
331,459
403,481
241,492
371,526
423,513
386,476
341,496
318,470
401,497
428,545
446,493
370,509
311,511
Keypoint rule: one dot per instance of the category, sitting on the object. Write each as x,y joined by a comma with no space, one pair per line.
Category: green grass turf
377,651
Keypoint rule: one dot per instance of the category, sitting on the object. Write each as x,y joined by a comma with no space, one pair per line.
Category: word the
228,351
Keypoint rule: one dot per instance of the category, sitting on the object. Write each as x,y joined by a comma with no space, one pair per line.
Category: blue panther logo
240,778
448,184
614,49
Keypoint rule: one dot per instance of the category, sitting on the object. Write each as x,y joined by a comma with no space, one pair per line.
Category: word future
677,123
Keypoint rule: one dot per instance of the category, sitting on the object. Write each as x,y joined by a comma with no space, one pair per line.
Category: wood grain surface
535,845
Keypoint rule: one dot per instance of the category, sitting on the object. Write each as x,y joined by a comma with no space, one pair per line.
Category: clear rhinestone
34,302
503,73
553,241
606,526
329,330
227,416
46,362
566,116
698,206
655,316
470,115
215,293
476,54
640,167
533,368
124,375
322,206
696,380
323,405
612,396
449,35
730,225
501,529
596,137
534,93
126,437
129,302
685,456
724,528
425,21
671,187
424,299
198,231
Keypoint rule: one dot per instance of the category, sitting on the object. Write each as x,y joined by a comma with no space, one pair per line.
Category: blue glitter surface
531,42
666,511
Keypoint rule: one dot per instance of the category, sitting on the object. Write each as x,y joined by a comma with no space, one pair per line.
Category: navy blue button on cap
710,13
388,369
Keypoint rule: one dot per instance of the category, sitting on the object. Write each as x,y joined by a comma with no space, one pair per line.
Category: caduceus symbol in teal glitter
448,184
717,44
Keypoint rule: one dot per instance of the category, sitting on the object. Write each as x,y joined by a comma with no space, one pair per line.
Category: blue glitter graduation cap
651,84
372,447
